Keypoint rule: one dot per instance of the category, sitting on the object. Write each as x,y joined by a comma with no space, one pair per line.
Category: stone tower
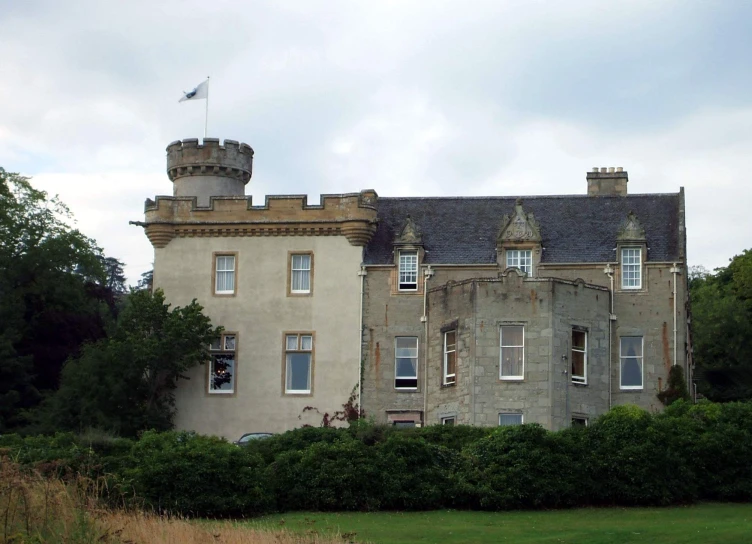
211,169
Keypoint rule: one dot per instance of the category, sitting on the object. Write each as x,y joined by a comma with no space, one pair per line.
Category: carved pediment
410,234
631,229
519,226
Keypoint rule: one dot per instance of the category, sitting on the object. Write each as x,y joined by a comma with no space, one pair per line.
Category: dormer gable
518,227
409,235
631,229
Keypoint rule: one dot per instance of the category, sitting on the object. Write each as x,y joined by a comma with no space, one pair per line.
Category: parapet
351,215
190,158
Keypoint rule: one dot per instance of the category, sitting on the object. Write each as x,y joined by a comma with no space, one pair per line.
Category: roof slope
575,229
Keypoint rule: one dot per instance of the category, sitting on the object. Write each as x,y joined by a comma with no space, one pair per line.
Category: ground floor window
579,421
449,420
298,363
630,355
222,365
507,419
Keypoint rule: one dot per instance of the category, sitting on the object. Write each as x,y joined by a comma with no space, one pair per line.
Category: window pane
578,340
511,361
447,421
301,262
292,342
512,335
230,342
216,344
450,340
510,419
406,347
298,372
631,372
631,346
631,361
451,363
306,343
225,263
301,280
225,281
407,368
578,364
222,372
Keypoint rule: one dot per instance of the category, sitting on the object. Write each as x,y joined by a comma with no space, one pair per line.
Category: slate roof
574,229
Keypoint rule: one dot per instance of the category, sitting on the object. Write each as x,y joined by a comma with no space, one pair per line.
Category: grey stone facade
577,282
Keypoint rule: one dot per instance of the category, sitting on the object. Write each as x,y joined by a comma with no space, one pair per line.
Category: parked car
247,437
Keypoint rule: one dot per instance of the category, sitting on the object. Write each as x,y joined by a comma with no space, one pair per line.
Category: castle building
483,311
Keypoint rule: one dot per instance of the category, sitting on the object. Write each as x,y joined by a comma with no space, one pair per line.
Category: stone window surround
630,333
583,382
449,327
220,394
508,379
512,413
285,334
417,365
290,292
618,285
215,255
535,247
395,290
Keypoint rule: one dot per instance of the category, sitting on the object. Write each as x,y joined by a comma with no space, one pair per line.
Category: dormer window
631,268
520,258
408,270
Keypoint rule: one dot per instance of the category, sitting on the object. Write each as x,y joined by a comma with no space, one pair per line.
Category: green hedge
626,457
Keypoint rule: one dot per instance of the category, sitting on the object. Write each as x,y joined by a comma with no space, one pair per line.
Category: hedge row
626,457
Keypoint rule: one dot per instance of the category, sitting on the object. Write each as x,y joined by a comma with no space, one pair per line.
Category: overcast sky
407,97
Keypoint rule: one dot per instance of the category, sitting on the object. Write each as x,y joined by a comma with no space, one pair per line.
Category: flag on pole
200,92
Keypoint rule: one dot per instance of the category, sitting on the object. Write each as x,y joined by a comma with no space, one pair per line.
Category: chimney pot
595,169
603,169
610,169
619,169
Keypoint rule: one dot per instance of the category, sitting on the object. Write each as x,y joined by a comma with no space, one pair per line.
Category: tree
125,383
51,295
722,330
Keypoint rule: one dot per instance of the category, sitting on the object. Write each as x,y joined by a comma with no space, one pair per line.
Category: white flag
202,91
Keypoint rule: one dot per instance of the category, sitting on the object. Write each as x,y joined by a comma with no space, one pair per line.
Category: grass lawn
701,524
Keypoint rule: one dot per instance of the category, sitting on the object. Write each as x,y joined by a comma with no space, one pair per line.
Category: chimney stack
607,181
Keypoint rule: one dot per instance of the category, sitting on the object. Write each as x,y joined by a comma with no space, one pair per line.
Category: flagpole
206,116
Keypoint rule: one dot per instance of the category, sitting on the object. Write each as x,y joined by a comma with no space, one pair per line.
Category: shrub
417,475
341,475
638,460
521,467
189,474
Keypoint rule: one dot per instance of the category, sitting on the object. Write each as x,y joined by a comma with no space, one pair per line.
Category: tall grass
36,509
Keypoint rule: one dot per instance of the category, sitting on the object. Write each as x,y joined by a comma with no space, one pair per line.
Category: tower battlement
190,158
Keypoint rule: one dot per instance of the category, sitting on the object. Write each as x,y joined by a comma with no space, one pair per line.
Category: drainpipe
675,270
611,318
427,273
362,273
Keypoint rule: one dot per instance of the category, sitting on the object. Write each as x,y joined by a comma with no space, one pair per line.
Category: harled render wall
259,314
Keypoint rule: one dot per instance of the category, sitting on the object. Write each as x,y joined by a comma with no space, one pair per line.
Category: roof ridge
650,195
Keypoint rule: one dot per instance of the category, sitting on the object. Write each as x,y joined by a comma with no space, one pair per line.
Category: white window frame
582,380
449,420
407,270
516,414
449,379
227,345
299,347
631,271
416,358
302,270
520,258
640,358
511,377
230,271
